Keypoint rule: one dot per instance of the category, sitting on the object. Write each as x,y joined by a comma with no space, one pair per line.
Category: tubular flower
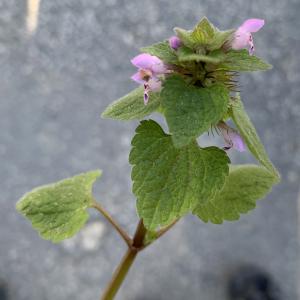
243,37
174,42
150,68
231,138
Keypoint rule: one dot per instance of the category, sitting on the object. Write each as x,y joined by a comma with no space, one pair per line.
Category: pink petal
137,77
174,42
241,39
238,143
145,61
231,137
154,85
158,67
253,25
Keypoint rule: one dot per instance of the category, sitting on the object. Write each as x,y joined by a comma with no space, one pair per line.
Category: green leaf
186,54
240,60
132,106
150,237
220,37
203,33
163,51
58,211
185,37
210,58
244,186
250,136
169,182
191,111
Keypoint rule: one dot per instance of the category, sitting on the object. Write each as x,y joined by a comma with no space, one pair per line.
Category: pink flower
243,37
231,137
150,68
174,42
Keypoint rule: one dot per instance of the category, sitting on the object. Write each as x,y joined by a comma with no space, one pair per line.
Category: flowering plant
191,79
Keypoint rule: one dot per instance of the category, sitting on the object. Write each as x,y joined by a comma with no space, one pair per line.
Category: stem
125,264
110,219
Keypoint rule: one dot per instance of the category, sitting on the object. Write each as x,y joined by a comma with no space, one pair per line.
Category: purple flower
243,37
174,42
231,137
150,68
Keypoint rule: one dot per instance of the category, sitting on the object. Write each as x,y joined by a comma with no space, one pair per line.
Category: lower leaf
244,186
58,211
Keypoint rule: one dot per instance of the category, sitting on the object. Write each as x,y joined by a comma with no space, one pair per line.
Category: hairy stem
110,219
125,264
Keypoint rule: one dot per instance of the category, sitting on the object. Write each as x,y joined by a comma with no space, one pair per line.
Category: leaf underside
243,187
58,211
240,60
132,106
250,136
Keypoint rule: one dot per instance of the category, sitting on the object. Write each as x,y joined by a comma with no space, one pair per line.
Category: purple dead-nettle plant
191,80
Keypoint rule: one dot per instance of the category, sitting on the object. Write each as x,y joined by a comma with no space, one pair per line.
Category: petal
237,141
253,25
145,61
231,137
146,97
154,85
174,42
158,66
137,77
241,39
146,93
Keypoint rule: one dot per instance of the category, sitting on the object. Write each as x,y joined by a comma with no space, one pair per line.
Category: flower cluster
152,71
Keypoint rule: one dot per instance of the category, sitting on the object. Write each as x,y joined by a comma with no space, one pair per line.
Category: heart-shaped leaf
169,182
191,111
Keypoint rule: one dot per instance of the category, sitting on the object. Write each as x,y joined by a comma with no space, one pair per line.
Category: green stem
110,219
127,261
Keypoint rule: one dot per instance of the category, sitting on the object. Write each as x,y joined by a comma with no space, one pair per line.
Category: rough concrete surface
53,88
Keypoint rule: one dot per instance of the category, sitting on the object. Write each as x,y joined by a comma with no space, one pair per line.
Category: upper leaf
249,134
185,37
203,33
190,111
169,182
220,38
163,51
58,211
240,60
186,54
244,186
132,106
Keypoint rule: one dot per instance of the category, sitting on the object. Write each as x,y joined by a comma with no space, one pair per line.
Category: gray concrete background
53,88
